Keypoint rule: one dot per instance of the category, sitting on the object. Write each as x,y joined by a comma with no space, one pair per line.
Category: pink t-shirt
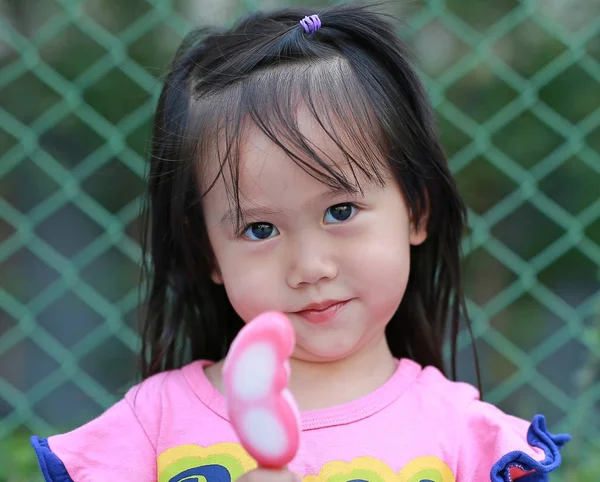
418,426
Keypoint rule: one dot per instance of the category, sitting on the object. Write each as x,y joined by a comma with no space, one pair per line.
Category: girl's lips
323,315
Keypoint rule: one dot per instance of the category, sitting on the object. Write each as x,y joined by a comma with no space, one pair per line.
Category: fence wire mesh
516,86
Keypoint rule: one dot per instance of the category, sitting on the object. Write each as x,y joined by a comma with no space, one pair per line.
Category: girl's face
337,264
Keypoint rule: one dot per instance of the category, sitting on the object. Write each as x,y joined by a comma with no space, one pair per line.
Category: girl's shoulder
484,437
128,435
432,390
175,384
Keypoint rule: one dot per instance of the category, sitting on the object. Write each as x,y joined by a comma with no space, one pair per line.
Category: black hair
354,72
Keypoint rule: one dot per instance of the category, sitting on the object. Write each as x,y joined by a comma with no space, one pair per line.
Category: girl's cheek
251,287
383,261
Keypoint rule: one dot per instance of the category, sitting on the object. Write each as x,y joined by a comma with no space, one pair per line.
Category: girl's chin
321,354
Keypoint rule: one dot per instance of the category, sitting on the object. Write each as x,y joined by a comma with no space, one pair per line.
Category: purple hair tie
311,24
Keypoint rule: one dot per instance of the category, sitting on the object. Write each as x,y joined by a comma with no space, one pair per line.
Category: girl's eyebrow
256,212
231,215
335,192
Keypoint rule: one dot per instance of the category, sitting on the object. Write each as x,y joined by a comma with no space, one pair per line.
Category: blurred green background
516,85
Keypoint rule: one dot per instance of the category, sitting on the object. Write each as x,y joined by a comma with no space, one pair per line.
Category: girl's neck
326,384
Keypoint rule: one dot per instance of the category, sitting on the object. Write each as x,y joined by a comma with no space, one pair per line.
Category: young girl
296,168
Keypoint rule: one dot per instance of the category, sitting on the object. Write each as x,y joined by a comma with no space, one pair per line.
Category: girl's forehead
267,169
309,133
313,149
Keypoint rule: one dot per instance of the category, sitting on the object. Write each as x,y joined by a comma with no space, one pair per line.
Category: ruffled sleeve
499,447
115,446
51,466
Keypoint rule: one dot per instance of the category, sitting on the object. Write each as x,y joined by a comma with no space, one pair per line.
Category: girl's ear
216,276
418,233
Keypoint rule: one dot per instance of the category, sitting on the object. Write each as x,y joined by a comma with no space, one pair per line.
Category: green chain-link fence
517,89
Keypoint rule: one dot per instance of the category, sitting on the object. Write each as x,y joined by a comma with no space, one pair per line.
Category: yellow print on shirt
226,462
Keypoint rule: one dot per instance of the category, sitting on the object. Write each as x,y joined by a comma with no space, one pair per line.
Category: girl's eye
260,231
339,213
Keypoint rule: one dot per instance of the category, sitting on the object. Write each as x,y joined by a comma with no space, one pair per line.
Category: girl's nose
310,262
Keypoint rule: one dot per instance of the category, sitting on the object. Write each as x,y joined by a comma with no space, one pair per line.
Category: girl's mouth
319,313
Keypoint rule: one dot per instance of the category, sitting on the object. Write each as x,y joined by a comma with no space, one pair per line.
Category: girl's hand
264,475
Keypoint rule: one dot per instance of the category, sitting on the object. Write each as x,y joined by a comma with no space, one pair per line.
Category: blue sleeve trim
51,466
537,436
